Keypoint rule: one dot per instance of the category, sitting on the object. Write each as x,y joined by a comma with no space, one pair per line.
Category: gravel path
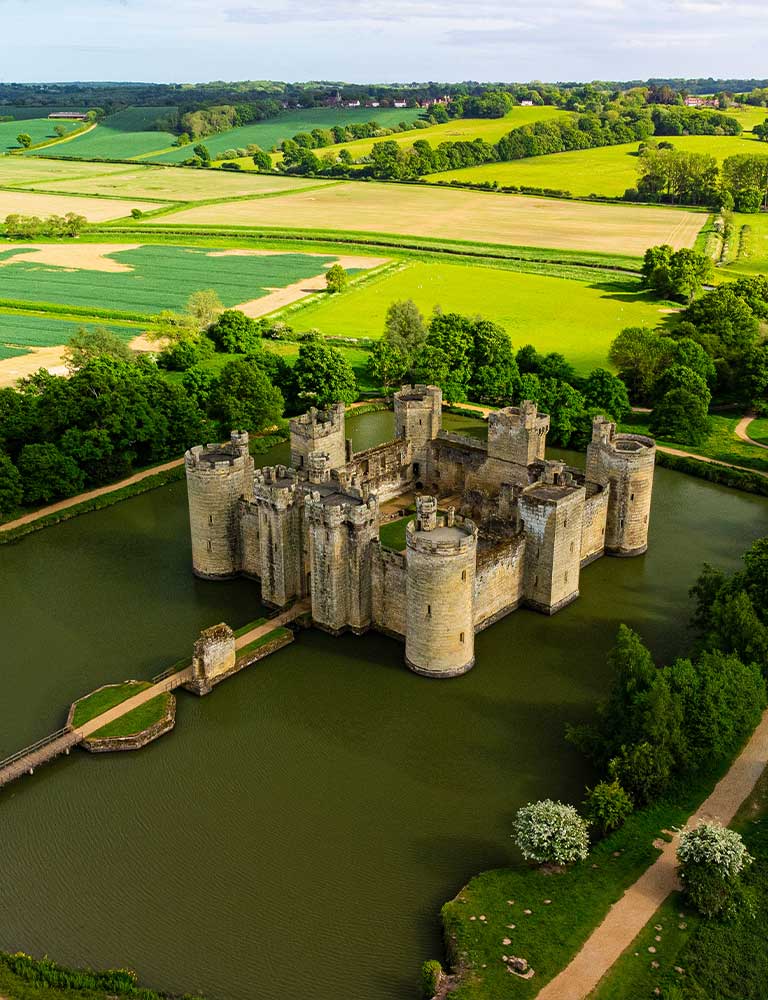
741,432
631,913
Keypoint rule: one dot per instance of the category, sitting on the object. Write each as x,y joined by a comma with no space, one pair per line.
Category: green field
272,131
758,430
118,137
18,170
22,331
607,170
39,128
721,443
162,277
748,252
578,319
24,112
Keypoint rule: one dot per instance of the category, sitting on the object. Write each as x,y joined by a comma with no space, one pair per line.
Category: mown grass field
94,209
748,251
39,128
172,183
161,277
576,318
758,430
22,170
608,170
271,132
425,210
23,331
118,137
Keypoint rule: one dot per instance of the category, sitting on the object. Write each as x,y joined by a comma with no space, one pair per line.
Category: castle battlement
526,525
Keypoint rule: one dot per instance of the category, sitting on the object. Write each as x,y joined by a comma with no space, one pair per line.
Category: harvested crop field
466,215
94,209
15,170
147,279
178,183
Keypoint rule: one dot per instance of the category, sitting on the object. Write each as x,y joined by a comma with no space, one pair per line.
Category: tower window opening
461,637
210,519
631,496
209,545
571,546
565,578
463,576
429,611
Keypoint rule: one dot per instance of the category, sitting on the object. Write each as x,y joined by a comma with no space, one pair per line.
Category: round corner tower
624,463
418,418
218,475
440,584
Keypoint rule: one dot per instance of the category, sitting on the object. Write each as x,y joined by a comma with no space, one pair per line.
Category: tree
262,160
24,139
404,327
11,490
60,131
336,279
711,859
47,473
244,399
495,376
387,365
550,832
677,376
235,333
644,770
89,343
689,271
639,354
323,375
680,415
606,392
204,308
202,153
199,383
606,806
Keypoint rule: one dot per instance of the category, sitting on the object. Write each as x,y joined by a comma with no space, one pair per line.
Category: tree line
681,177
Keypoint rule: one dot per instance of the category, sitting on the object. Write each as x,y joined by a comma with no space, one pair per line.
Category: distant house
352,104
700,102
70,116
526,104
401,104
373,104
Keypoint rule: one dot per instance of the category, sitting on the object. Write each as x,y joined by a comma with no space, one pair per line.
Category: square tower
518,434
319,430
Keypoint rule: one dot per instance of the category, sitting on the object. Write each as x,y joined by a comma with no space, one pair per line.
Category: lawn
758,430
39,128
607,170
161,277
748,249
392,534
118,137
173,183
20,331
94,704
135,721
426,210
722,444
576,318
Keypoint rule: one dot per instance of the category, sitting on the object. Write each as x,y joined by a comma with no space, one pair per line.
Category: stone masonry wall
388,586
499,580
553,549
593,528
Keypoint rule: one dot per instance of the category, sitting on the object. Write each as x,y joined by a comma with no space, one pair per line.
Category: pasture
147,279
272,131
464,129
578,319
425,210
35,171
172,183
748,251
607,170
118,137
39,129
93,209
21,112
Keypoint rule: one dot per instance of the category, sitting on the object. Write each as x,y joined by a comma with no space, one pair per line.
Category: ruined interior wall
250,548
499,580
385,470
388,583
593,526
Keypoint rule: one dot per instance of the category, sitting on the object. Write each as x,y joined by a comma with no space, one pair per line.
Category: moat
299,830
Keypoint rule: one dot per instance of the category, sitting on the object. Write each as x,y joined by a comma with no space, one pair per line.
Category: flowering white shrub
713,846
551,832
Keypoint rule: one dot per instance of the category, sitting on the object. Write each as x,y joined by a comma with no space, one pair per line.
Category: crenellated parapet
518,434
418,419
318,430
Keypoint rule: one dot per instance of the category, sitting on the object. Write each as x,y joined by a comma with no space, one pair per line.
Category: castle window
210,519
571,546
461,637
429,611
419,423
565,521
631,496
463,576
536,581
565,578
621,522
209,545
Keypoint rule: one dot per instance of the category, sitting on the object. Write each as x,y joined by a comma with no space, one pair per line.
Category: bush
181,356
606,806
551,832
711,859
431,975
644,770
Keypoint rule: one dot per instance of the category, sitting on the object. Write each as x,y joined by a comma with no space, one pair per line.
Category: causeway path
740,430
627,917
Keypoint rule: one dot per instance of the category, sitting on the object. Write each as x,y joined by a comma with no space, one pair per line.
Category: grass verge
135,721
102,700
276,633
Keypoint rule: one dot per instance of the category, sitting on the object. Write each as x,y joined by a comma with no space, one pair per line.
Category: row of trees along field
680,177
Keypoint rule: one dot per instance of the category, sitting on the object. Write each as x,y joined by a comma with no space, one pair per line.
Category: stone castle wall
593,526
388,591
499,580
319,430
552,524
386,470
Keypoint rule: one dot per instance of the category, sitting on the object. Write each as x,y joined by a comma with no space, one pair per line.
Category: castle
497,526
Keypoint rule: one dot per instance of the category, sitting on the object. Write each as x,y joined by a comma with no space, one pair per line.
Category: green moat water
298,831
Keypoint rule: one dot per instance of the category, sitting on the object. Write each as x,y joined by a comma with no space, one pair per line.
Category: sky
380,40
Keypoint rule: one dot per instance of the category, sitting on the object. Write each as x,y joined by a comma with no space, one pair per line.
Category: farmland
748,251
15,170
148,279
164,183
39,129
578,319
607,170
24,331
273,130
24,112
118,137
433,212
94,210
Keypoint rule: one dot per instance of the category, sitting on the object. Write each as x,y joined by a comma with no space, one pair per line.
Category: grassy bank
103,700
721,444
137,720
565,908
723,960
